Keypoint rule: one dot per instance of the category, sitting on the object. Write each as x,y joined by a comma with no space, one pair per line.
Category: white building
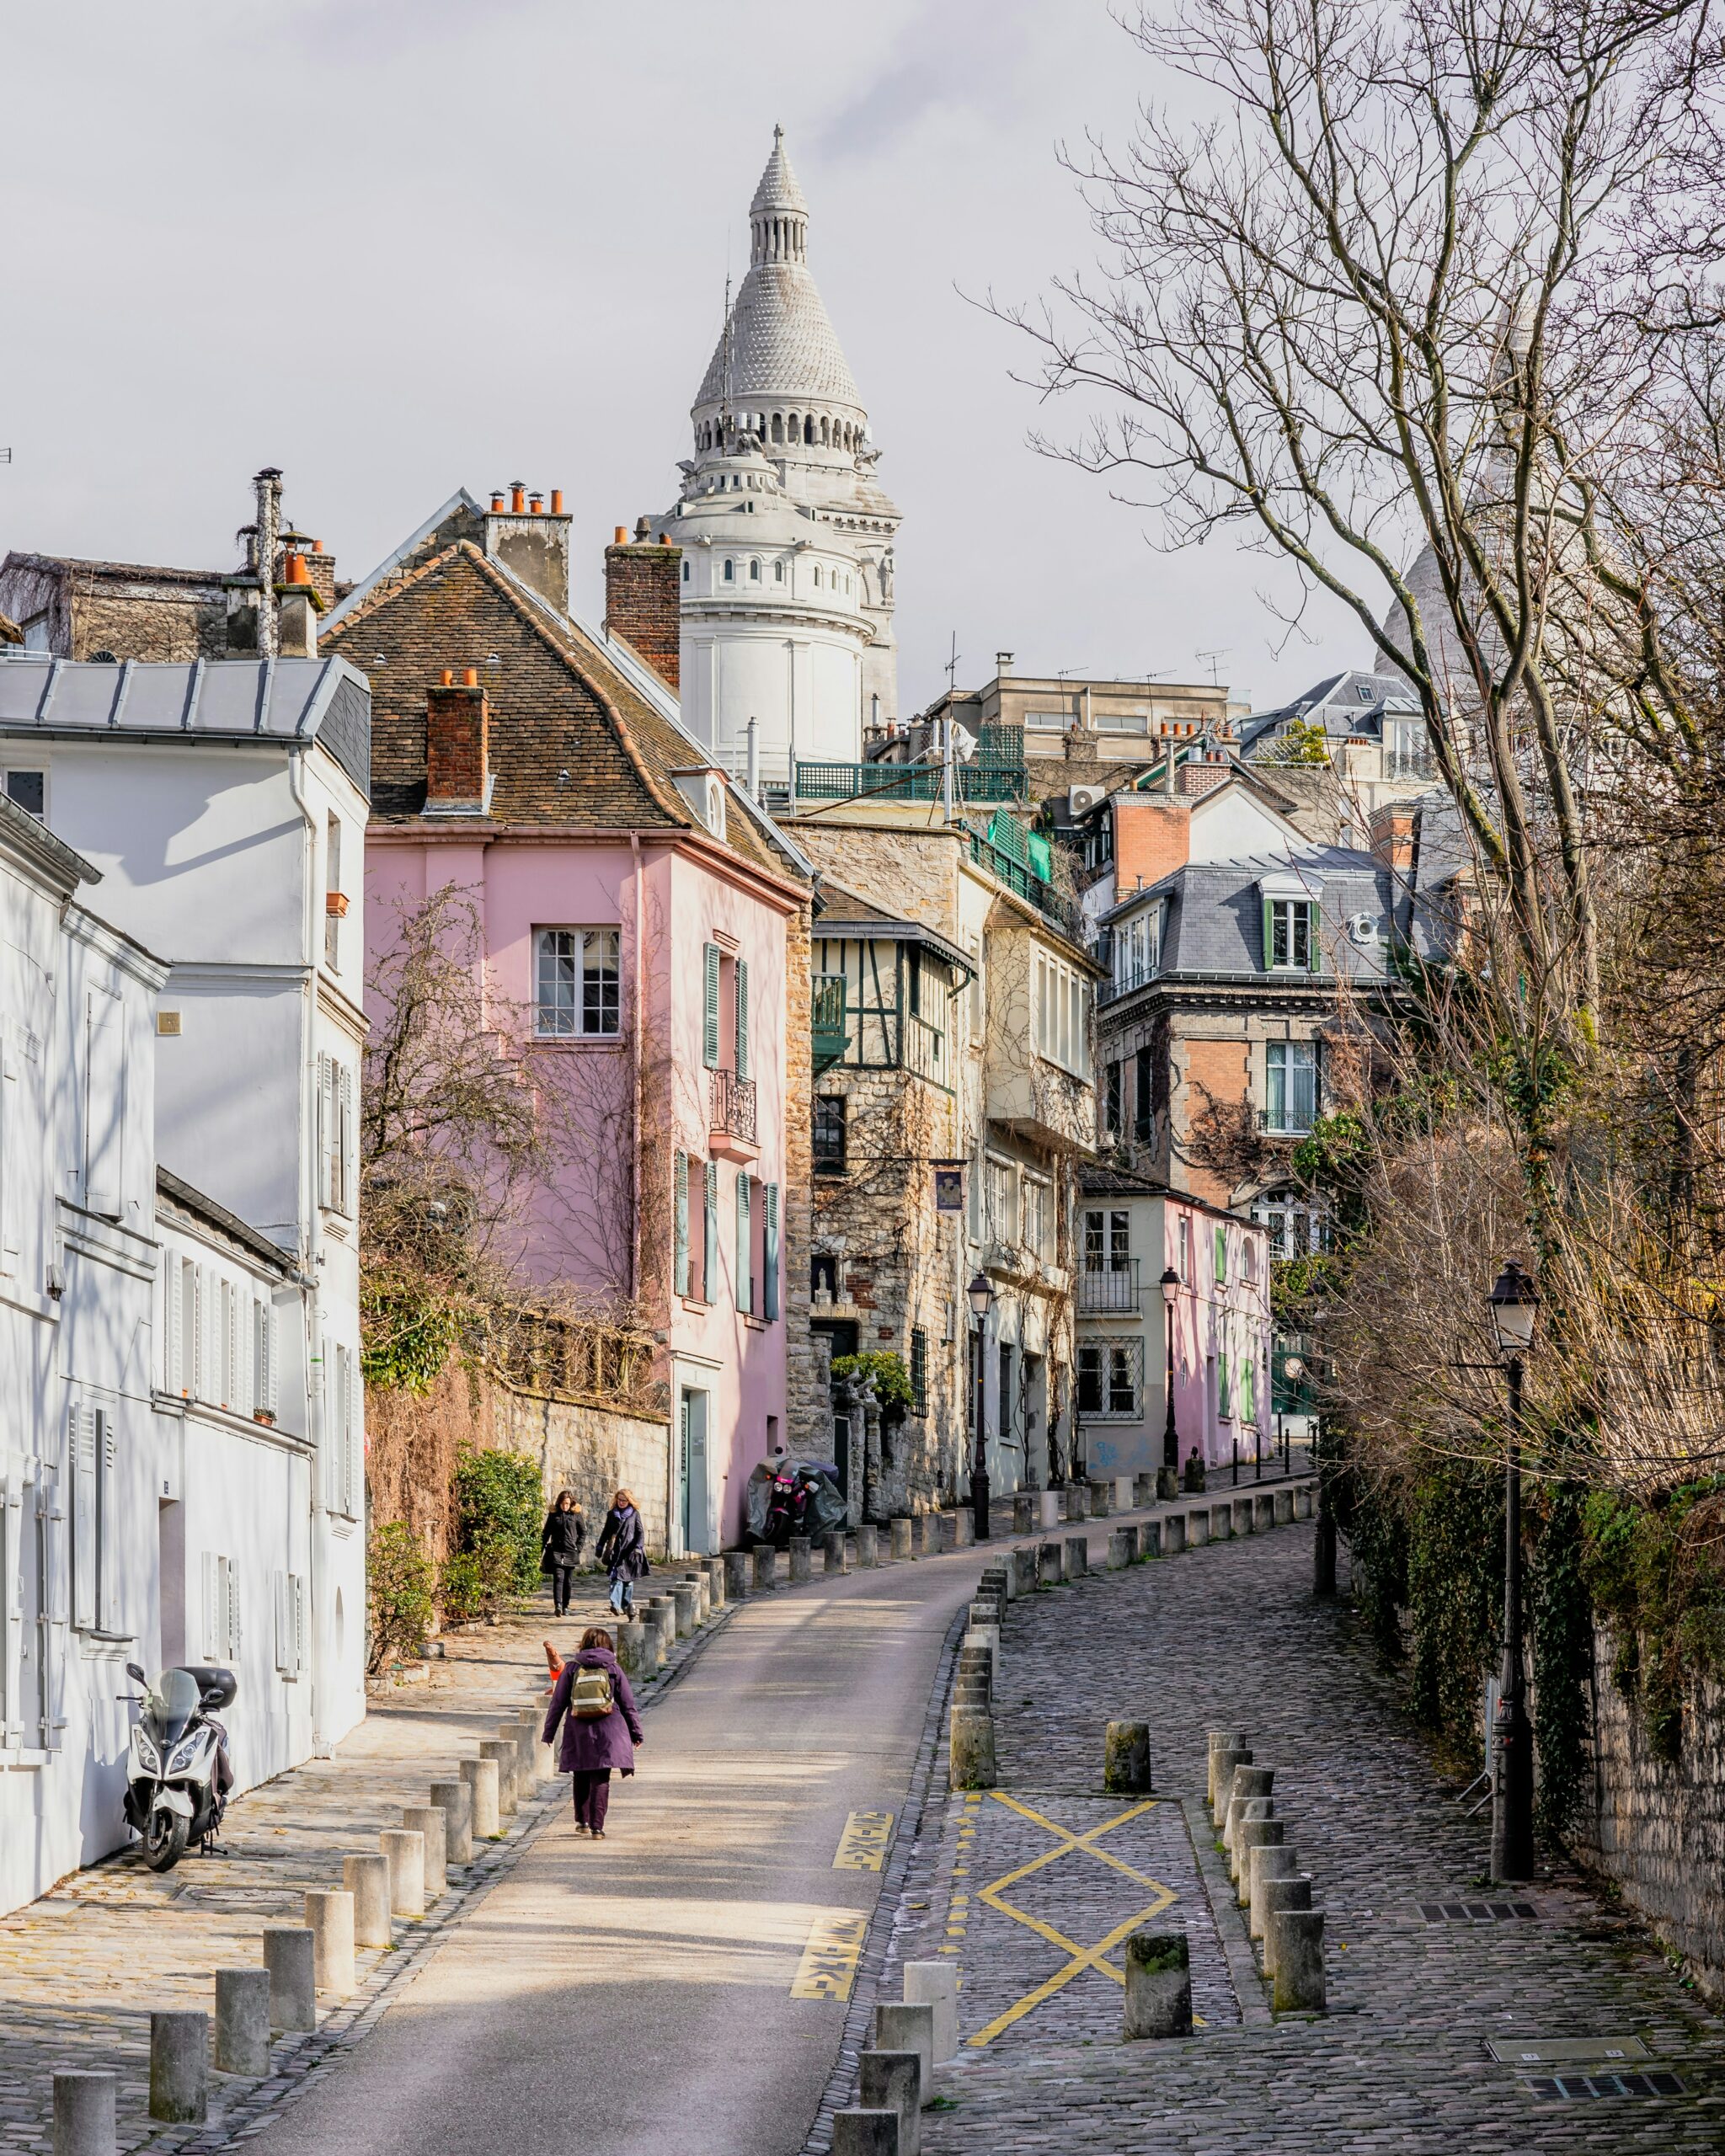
787,536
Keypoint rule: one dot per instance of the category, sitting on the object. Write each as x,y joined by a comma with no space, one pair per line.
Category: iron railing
980,782
1028,885
826,1004
1292,1121
1101,1290
1115,986
732,1106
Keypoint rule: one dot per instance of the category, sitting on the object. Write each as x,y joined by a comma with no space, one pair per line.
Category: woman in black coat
560,1547
623,1546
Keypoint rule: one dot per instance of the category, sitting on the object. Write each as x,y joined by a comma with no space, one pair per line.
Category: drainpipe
635,1052
308,1277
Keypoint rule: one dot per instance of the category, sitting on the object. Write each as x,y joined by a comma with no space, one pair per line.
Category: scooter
178,1774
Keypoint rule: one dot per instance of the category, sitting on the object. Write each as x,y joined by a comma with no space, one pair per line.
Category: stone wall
808,1401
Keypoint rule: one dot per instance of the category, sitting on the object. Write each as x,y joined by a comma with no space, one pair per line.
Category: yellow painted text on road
828,1967
862,1846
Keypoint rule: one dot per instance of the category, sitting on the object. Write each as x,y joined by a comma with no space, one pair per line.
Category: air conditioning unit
1082,799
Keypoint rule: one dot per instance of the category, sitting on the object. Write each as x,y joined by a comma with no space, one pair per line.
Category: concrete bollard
533,1763
84,2114
736,1575
766,1574
703,1581
1269,1860
909,2028
1077,1559
427,1822
289,1958
901,1541
635,1657
404,1851
480,1776
1173,1527
1158,1985
1125,1758
1221,1523
1024,1572
1048,1511
1251,1779
1221,1740
1077,1502
1263,1513
892,2081
329,1917
1143,1491
970,1761
1241,1808
964,1528
366,1879
1283,1501
801,1561
1120,1550
865,2133
832,1549
1278,1896
503,1750
1302,1501
997,1580
1124,1493
976,1664
455,1800
1101,1497
1242,1515
1299,1982
1223,1765
714,1568
935,1984
179,2051
1150,1540
1023,1512
1250,1836
867,1546
1198,1527
686,1596
242,2022
1049,1565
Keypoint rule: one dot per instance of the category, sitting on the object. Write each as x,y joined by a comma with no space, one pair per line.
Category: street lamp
1515,1305
981,1294
1167,1483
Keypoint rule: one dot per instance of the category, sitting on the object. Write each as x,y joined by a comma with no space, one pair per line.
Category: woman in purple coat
592,1745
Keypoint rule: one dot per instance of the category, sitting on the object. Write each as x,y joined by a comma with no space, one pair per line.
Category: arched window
754,572
685,568
817,576
792,429
826,434
778,426
808,431
730,572
779,572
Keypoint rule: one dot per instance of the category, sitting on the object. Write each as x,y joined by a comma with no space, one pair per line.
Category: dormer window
1290,927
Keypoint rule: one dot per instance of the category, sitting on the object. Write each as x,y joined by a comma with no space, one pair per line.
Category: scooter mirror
135,1674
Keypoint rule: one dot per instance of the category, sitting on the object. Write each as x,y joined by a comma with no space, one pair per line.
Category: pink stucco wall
668,901
1212,1318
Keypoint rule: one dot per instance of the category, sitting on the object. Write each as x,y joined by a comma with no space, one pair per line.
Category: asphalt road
632,1997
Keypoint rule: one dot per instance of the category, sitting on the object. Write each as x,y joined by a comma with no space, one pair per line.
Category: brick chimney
1393,829
642,598
1152,838
457,746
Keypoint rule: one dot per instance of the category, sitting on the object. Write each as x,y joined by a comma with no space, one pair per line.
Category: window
680,1223
730,572
754,572
769,1251
1137,950
1037,1211
1143,1121
29,790
779,572
817,576
264,1358
828,1134
1048,722
335,1136
1107,1241
1295,1226
919,1371
290,1625
1001,1195
1291,1086
343,1455
1059,1009
1248,1260
1111,1380
1123,722
746,1245
1221,1242
1183,1265
709,1231
1225,1404
685,568
577,983
1290,935
1248,1390
36,632
334,903
1112,1127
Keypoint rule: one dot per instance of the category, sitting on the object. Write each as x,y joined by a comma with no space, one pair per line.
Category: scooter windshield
170,1705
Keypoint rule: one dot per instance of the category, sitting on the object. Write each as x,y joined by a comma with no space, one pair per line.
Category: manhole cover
1566,2050
1475,1912
1567,2087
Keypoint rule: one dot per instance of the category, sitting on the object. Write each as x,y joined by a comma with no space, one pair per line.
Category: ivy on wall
1656,1575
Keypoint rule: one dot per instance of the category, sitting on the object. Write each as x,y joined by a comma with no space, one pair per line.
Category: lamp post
981,1294
1515,1305
1167,1483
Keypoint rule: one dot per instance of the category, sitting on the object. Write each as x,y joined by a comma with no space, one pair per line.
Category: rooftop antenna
946,776
1221,651
724,399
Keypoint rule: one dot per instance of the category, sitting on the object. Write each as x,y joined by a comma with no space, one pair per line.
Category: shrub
499,1504
399,1607
891,1379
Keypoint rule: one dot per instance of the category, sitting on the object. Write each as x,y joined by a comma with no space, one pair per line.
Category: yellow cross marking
1067,1843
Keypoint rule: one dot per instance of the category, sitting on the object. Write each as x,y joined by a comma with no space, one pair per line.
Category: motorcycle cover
825,1507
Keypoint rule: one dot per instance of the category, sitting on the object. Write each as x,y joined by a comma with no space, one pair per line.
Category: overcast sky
401,246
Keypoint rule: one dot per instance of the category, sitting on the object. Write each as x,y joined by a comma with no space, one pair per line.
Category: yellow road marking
828,1967
862,1846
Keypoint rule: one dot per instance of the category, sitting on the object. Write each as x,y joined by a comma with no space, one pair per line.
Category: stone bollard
1158,1985
909,2029
329,1915
1299,1983
180,2051
1125,1758
533,1763
1251,1779
1077,1502
84,2114
832,1548
1224,1763
1048,1511
1121,1550
1173,1527
714,1568
404,1851
997,1579
686,1598
977,1662
1100,1494
765,1576
704,1615
289,1957
427,1822
366,1878
1077,1560
801,1561
970,1763
1279,1896
480,1776
1024,1512
1263,1513
901,1540
736,1575
1250,1836
1270,1860
242,2022
503,1750
1143,1491
635,1657
1124,1494
964,1528
987,1636
1283,1501
1150,1540
1244,1807
1049,1569
867,1546
1222,1740
1242,1515
1198,1527
1221,1523
1024,1572
892,2081
935,1984
1302,1501
865,2133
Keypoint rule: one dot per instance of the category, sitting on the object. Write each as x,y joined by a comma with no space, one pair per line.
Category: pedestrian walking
560,1546
623,1546
600,1728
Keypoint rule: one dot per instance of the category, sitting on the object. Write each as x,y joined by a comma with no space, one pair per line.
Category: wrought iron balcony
731,1116
1292,1122
826,1013
1103,1289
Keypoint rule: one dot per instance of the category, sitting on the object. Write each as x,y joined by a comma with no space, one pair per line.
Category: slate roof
1213,915
1347,706
574,742
184,1197
1096,1179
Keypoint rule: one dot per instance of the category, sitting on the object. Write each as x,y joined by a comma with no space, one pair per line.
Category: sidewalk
1031,1888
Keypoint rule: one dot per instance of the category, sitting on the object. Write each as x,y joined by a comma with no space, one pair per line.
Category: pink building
637,917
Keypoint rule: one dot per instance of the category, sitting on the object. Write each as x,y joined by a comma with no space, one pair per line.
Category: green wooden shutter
1223,1402
709,1255
742,1018
681,1209
1221,1252
709,1044
769,1269
746,1300
1269,937
1314,948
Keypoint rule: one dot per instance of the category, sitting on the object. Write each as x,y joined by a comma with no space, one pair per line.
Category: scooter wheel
164,1839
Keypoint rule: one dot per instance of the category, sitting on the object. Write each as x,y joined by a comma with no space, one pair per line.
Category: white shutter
13,1166
200,1390
214,1605
104,1104
51,1606
262,1363
11,1606
331,1434
80,1432
271,1337
231,1641
171,1380
326,1128
345,1201
288,1623
297,1598
110,1615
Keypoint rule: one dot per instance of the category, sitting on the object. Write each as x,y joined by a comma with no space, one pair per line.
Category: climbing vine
1455,1594
1656,1575
1562,1617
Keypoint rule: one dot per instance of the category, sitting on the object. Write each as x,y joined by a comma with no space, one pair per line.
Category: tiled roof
127,572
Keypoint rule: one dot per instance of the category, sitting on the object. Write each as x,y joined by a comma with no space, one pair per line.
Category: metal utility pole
947,779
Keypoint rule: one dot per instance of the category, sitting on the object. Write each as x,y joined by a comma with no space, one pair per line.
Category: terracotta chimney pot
623,535
449,677
496,504
470,679
557,501
517,497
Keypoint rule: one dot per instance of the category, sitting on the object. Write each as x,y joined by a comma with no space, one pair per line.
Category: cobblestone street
1228,1636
